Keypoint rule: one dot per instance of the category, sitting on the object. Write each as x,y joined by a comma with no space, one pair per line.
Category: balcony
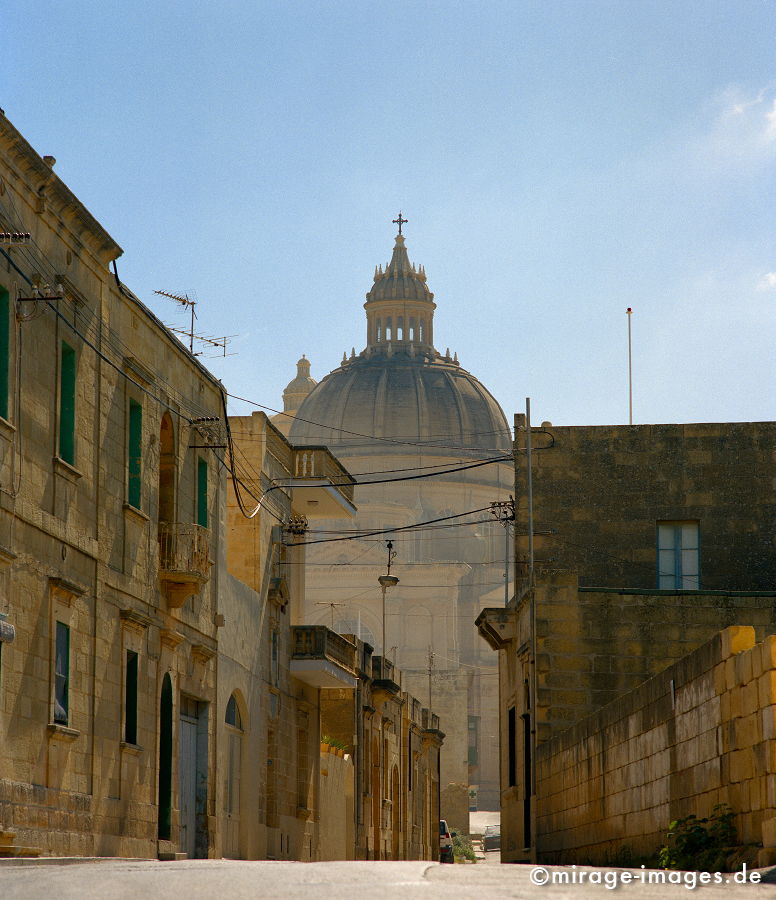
184,560
322,658
321,487
497,625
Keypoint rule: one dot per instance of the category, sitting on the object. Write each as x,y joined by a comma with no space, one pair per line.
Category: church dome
400,395
298,388
369,403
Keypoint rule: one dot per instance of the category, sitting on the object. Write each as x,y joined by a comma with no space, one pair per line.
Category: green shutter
201,492
130,699
134,454
67,404
5,352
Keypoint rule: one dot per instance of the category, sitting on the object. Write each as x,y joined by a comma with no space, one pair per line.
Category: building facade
648,541
153,702
111,518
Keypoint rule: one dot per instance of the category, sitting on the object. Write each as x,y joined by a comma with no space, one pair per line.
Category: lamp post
385,582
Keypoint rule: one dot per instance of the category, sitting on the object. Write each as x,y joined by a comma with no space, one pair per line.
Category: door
234,761
188,784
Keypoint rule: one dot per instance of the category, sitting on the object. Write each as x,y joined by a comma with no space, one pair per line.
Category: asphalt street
226,879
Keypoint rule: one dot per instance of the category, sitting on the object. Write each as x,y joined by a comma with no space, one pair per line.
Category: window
678,556
474,740
130,699
5,352
201,492
134,454
61,673
67,404
233,716
512,757
275,674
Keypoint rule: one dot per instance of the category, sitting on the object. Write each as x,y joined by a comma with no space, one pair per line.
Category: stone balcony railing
318,462
184,560
318,642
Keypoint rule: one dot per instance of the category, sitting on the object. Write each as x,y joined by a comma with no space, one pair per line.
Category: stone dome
400,395
298,388
433,403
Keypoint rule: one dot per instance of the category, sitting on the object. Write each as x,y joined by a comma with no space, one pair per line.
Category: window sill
66,470
135,513
62,732
7,430
130,749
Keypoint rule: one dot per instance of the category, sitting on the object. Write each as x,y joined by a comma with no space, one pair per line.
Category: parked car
445,843
491,837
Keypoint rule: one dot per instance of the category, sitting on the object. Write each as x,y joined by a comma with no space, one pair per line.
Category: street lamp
385,582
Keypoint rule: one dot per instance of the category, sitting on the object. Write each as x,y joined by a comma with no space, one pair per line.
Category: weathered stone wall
336,822
601,490
701,732
594,645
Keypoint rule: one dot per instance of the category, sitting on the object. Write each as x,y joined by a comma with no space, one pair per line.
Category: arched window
388,328
400,328
421,330
379,331
233,716
412,329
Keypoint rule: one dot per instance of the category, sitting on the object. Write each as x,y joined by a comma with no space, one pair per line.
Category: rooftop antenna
629,313
333,607
186,302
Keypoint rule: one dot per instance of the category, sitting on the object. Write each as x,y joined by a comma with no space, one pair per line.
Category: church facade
430,450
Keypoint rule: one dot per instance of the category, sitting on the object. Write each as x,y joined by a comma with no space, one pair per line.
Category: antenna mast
188,303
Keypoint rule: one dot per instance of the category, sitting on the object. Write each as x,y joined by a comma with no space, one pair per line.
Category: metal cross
400,221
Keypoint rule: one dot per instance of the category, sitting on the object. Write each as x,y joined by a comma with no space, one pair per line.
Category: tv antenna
187,303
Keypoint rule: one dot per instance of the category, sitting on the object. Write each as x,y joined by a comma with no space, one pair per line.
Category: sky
557,163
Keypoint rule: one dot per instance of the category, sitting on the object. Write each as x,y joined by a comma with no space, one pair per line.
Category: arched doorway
165,760
234,738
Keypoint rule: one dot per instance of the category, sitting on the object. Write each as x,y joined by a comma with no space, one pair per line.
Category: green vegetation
333,742
702,845
462,847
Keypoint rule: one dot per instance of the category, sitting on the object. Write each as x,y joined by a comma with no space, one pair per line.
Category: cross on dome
400,221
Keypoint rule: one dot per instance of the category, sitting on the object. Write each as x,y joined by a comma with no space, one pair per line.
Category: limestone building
153,703
111,522
427,443
622,708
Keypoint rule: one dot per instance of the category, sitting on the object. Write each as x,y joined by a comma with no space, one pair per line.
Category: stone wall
594,645
701,732
336,821
601,490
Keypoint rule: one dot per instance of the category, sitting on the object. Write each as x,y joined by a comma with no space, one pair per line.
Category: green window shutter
202,492
67,404
5,352
134,454
130,699
62,674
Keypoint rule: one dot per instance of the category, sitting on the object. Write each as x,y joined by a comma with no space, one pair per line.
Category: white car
445,843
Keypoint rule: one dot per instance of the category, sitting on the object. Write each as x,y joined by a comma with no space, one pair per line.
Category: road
228,879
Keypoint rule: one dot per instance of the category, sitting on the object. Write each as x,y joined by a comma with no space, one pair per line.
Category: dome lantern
400,307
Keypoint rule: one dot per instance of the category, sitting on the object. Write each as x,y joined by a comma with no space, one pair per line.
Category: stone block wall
594,645
599,491
699,733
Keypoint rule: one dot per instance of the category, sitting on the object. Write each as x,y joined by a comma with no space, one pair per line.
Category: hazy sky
557,161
